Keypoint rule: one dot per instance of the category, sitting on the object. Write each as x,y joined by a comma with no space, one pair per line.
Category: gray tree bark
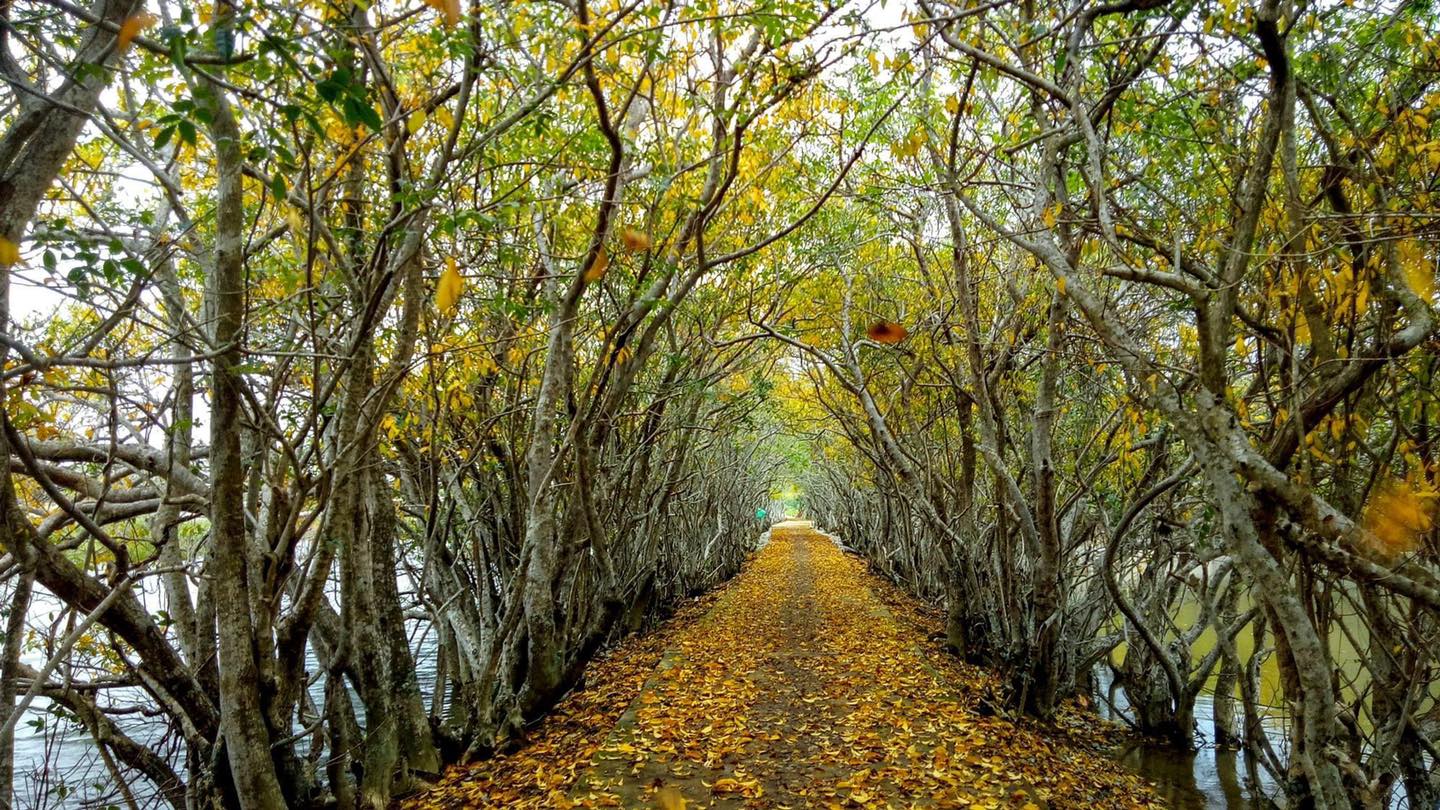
242,713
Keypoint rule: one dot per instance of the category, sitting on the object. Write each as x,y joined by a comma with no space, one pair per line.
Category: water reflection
58,767
1202,779
1194,780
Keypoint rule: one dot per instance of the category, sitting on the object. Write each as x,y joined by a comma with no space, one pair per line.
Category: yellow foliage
449,8
1051,215
597,268
910,145
1397,516
131,28
1418,271
635,241
447,292
9,252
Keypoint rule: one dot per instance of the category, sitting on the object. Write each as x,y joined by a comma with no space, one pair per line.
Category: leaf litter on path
809,683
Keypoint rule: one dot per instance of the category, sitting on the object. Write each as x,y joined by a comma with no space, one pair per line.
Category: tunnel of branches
345,342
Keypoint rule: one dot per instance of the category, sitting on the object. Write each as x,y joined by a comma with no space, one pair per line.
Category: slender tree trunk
1227,680
417,745
164,529
544,658
1046,661
10,666
242,714
1312,690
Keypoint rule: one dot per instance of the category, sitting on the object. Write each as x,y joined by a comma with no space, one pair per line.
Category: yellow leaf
1060,284
415,121
635,241
9,252
952,105
1397,518
668,798
598,267
1419,273
449,8
1051,215
447,292
910,145
131,28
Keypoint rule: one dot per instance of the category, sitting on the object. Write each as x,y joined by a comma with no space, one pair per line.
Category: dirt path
800,688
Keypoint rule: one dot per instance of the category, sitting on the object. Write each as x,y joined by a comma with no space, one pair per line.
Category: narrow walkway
800,689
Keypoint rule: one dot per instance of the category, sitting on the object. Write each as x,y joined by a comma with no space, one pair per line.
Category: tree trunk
19,608
1046,661
242,714
164,526
1312,690
1227,680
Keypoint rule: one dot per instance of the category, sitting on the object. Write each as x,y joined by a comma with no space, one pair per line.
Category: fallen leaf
669,798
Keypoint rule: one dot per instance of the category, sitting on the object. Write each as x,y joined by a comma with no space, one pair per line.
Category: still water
1205,779
1210,778
58,766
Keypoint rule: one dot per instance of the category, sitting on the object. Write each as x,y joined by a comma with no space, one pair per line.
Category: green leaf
358,111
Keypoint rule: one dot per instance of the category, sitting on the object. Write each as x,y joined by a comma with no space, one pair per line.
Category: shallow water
57,764
1205,779
1193,780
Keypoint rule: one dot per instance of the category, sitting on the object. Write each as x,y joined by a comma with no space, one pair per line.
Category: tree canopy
343,341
